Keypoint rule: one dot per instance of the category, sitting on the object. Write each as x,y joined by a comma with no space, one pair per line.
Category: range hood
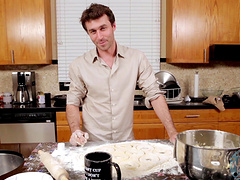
224,52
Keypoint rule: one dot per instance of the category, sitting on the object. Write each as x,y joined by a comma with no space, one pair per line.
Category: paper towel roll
196,84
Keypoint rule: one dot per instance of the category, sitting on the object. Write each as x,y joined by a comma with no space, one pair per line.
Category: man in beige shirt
103,82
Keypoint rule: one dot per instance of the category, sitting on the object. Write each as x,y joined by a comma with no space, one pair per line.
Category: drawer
195,115
145,117
230,115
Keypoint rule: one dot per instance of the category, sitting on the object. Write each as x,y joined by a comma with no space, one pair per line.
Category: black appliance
224,52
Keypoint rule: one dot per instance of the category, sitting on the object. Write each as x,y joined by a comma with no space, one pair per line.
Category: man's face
101,32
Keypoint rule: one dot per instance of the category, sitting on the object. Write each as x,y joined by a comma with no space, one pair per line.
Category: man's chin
103,47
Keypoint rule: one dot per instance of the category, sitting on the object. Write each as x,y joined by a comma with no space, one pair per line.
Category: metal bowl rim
205,148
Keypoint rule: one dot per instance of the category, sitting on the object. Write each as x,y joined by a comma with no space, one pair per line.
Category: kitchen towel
216,101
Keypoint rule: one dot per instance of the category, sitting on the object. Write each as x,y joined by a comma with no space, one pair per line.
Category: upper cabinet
25,28
225,21
192,26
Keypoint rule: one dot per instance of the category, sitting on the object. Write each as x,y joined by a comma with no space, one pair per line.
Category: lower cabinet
190,119
232,127
146,124
229,121
63,130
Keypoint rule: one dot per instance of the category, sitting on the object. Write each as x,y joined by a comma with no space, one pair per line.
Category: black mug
98,165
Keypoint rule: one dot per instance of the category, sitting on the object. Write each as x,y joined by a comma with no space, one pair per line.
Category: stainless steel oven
27,127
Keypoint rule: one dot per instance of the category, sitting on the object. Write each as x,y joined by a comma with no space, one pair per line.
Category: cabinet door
148,131
146,125
188,31
63,133
5,54
28,31
225,26
230,115
232,127
63,130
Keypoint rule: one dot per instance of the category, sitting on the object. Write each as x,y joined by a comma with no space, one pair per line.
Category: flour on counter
135,158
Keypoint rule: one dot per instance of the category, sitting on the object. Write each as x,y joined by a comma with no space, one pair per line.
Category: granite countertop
138,106
33,163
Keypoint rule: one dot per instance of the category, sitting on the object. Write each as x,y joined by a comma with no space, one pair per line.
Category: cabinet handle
12,55
205,55
192,116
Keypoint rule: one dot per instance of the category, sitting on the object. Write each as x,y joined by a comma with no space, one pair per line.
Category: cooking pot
11,163
60,100
208,154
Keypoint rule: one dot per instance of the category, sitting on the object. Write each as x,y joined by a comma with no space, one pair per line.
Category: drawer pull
192,116
12,56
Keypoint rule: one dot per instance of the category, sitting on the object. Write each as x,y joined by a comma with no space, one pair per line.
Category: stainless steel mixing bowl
207,154
10,163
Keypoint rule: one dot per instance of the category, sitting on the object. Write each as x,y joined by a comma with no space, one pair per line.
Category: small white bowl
30,176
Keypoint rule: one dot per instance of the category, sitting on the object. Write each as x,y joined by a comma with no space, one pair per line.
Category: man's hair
96,11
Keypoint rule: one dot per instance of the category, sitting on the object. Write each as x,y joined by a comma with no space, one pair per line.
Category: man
103,81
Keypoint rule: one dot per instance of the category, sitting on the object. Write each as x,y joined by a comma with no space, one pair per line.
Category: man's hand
78,138
173,138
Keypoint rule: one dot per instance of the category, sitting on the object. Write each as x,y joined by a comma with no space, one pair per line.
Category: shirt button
114,131
113,104
113,118
112,90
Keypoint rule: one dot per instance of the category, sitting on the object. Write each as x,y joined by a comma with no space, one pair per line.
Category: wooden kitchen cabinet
188,35
189,119
225,21
63,129
231,127
146,125
192,26
25,28
5,57
229,121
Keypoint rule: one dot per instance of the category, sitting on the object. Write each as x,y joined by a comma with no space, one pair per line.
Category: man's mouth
101,43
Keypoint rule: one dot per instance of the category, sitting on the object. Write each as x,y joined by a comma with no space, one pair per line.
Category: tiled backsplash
223,75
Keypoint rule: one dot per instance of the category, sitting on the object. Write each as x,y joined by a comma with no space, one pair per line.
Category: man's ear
114,26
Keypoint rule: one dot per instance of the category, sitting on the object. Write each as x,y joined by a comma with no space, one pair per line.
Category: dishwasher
27,127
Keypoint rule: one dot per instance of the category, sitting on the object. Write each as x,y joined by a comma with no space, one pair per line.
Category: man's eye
92,32
103,28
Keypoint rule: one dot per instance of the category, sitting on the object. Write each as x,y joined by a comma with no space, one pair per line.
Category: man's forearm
73,117
161,109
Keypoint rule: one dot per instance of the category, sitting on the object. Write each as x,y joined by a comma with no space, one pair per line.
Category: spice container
7,98
41,98
1,98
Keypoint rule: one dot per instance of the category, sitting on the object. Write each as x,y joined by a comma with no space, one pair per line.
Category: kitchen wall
224,75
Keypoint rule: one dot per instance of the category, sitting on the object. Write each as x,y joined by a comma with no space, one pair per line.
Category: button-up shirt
107,94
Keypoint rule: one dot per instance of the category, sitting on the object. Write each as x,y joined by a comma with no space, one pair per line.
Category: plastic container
7,98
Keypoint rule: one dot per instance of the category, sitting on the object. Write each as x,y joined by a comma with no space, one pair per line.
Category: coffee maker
24,88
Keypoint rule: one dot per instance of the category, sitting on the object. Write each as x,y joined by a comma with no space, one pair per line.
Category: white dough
136,159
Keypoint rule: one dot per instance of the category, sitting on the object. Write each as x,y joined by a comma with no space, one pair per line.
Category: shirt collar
120,53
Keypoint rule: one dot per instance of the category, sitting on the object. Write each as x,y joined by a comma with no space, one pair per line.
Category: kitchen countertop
32,163
139,106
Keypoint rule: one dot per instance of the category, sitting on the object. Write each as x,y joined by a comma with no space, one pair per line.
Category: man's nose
99,35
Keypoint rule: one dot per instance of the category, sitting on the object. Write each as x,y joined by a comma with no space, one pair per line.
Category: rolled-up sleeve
77,90
147,81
